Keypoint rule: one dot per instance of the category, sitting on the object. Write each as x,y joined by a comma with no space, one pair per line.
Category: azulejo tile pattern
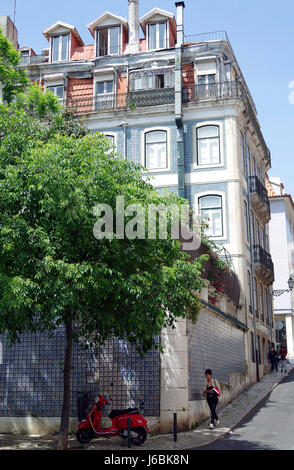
31,376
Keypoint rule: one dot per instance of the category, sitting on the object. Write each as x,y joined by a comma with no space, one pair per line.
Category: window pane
208,151
109,87
152,36
156,136
55,48
102,42
156,156
114,40
207,131
64,48
100,88
155,150
210,202
59,91
162,35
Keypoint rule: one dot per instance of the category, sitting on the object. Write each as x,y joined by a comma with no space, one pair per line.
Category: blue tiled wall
31,376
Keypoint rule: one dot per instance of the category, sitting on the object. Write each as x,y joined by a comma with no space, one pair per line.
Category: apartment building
180,106
281,232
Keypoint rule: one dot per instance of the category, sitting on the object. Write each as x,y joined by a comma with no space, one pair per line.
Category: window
156,150
252,227
206,86
258,351
110,139
108,41
211,209
249,290
255,296
57,90
150,81
246,221
59,48
104,95
252,348
208,147
157,36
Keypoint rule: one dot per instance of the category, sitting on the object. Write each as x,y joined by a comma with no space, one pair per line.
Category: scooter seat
115,413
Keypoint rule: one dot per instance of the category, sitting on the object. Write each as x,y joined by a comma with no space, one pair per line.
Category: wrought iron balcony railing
263,264
108,102
255,186
212,91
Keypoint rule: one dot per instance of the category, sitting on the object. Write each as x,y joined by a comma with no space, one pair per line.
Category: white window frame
157,23
114,135
168,150
221,194
220,125
60,47
48,86
108,27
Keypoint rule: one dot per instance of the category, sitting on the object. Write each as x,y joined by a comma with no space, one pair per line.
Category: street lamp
277,293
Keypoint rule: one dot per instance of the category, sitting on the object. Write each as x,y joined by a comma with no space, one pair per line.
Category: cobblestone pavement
230,416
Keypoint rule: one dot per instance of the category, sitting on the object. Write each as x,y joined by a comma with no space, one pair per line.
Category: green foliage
52,268
14,81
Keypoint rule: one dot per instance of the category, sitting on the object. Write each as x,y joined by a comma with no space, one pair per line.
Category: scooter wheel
140,436
84,435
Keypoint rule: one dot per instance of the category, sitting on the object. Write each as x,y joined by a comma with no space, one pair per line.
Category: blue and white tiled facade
31,376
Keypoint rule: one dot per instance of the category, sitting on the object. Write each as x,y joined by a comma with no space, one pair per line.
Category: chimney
133,26
180,23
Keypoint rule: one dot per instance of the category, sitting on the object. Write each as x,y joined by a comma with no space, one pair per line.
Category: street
270,426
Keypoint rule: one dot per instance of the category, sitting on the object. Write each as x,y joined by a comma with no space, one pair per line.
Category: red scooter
91,426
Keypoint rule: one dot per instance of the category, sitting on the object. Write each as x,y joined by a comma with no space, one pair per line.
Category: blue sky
261,33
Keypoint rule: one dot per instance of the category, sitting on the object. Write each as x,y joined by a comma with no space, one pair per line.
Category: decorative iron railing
263,257
207,37
108,102
212,91
255,186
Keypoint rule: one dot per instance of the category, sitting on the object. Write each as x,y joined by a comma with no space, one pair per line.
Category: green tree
13,80
53,270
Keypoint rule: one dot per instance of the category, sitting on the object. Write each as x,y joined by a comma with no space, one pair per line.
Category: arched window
210,208
156,150
208,147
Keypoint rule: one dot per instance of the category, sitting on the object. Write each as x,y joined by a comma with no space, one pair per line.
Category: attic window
108,41
157,36
59,47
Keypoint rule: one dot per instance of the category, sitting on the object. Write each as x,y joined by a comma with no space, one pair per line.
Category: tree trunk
65,414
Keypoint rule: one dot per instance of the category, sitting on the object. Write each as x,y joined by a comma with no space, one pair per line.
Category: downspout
248,166
178,98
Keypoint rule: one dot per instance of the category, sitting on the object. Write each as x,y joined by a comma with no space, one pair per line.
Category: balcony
259,199
212,91
33,60
115,102
224,91
263,265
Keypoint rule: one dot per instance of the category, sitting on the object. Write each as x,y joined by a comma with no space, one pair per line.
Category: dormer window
59,47
157,36
108,41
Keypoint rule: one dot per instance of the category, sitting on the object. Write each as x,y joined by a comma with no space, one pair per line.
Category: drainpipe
248,166
178,98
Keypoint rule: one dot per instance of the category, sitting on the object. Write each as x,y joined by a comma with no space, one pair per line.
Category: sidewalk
230,416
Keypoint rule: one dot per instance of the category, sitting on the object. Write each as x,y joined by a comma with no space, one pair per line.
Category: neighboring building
180,106
282,250
9,30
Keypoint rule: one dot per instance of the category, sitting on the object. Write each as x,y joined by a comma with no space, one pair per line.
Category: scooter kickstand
124,442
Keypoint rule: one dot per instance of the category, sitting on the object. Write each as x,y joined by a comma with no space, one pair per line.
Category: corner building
180,106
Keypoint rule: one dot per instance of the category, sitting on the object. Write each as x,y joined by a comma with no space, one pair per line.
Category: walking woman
211,396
